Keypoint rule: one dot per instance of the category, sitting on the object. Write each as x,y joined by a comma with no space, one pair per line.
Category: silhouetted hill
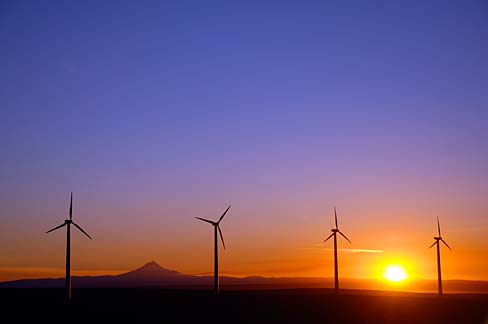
149,271
149,275
152,275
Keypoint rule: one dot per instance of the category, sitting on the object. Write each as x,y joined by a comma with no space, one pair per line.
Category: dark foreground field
289,306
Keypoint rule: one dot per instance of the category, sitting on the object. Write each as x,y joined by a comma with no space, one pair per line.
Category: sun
395,273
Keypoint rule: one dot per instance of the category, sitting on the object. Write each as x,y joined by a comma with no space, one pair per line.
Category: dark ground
266,306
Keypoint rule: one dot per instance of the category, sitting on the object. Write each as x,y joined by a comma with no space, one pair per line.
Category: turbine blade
438,227
56,228
446,244
206,220
433,244
344,236
221,236
71,206
328,237
78,227
335,215
221,217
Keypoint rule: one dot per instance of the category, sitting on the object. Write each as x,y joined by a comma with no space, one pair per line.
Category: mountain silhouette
150,271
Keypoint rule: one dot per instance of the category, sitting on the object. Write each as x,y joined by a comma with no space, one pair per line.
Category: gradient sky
155,112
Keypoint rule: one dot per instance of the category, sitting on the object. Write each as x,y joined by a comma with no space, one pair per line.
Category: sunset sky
155,112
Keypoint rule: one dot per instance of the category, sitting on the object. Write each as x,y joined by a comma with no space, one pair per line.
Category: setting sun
395,273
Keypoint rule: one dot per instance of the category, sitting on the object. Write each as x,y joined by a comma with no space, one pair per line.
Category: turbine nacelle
216,224
70,221
439,238
336,229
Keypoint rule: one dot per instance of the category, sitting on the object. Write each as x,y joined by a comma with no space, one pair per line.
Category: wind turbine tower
437,240
334,234
216,226
68,223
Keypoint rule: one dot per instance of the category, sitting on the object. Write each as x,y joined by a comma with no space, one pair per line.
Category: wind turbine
334,234
216,247
68,223
436,242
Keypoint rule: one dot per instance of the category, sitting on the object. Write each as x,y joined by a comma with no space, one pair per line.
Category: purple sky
156,112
